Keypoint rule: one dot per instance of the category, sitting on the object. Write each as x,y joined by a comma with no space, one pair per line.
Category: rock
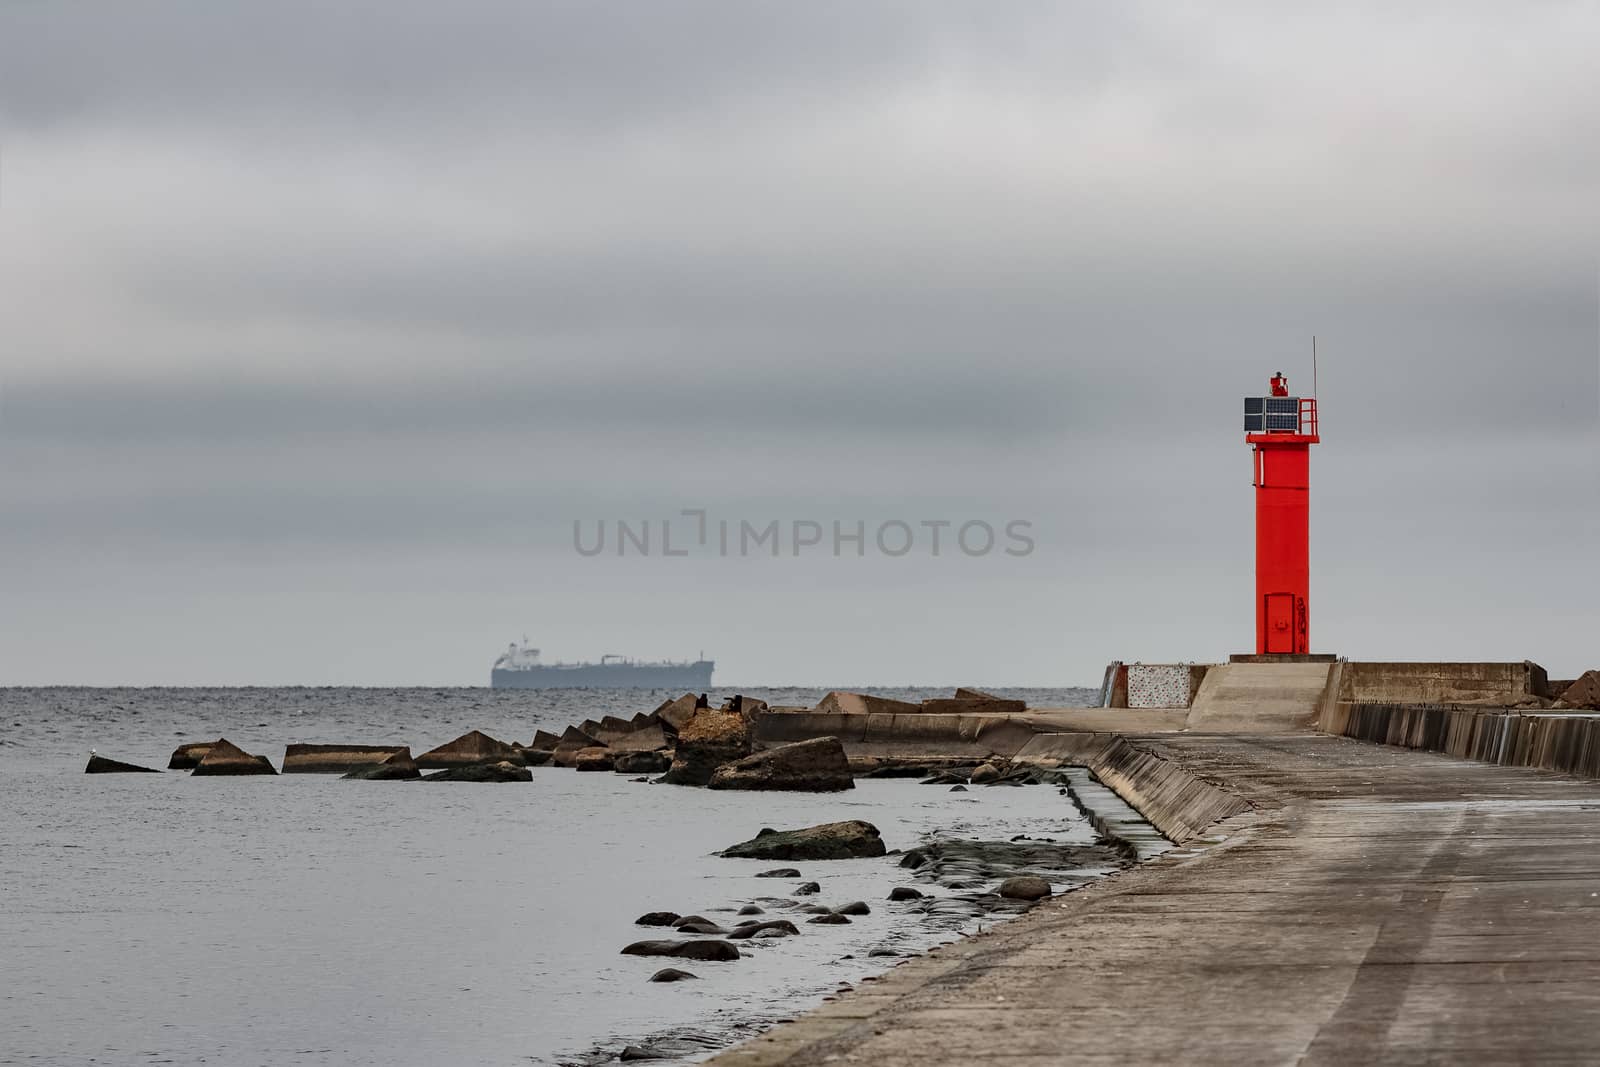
914,859
680,920
904,892
469,748
657,918
780,872
504,771
699,926
630,1053
399,767
705,742
807,889
335,759
687,950
673,714
769,928
816,766
187,757
1584,692
101,765
543,741
855,907
532,757
958,789
851,839
832,918
672,974
950,777
841,702
1024,887
613,728
881,951
751,909
989,772
641,762
226,758
593,759
649,739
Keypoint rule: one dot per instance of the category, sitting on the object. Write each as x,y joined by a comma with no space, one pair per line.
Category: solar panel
1253,423
1282,421
1252,405
1283,405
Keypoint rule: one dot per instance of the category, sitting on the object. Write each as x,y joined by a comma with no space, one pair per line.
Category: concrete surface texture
1442,683
1259,697
1375,905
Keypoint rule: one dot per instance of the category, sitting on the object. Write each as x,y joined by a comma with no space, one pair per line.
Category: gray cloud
359,306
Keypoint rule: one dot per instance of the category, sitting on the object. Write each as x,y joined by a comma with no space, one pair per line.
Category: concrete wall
1441,683
1159,685
1554,741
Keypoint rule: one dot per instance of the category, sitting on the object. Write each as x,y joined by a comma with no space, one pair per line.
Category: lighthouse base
1283,657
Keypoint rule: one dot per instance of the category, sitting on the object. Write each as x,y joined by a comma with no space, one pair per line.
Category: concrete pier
1361,904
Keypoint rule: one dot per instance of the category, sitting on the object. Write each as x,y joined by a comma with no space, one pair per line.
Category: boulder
807,889
187,757
399,767
989,772
1024,887
1582,693
503,771
831,918
336,759
752,909
226,758
593,759
699,926
769,928
905,892
855,907
469,748
705,742
841,702
635,1053
914,859
780,872
641,762
686,950
851,839
99,764
672,974
673,714
647,739
657,918
815,766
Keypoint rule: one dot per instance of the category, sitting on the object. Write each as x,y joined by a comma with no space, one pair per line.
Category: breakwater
1566,741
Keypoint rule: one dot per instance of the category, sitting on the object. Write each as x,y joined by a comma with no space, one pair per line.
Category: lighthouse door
1280,622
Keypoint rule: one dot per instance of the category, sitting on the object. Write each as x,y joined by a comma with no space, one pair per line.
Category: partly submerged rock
1024,887
187,757
851,839
469,748
657,918
817,766
335,759
767,928
904,892
593,759
855,907
699,926
687,950
641,762
226,758
807,889
503,771
780,872
831,918
705,742
99,764
399,767
672,974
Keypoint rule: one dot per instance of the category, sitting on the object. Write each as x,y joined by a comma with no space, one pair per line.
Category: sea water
303,919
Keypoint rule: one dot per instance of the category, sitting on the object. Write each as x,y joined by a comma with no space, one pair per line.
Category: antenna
1313,366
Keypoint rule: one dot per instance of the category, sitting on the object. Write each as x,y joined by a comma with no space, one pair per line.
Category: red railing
1308,416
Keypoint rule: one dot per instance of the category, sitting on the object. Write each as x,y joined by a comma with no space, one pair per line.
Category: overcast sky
321,326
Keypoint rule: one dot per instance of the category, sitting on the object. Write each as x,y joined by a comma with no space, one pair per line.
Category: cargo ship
519,668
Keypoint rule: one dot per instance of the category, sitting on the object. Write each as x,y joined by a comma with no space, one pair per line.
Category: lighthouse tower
1281,430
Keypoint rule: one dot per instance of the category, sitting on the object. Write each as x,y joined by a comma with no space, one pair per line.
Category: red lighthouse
1282,429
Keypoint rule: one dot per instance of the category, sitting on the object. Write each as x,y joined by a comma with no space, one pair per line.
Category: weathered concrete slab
1259,697
1376,905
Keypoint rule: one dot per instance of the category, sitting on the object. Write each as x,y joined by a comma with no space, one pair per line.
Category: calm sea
303,919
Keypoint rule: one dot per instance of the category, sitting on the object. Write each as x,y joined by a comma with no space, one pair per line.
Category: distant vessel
519,668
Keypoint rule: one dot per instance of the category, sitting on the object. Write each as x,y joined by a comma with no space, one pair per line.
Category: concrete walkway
1377,905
